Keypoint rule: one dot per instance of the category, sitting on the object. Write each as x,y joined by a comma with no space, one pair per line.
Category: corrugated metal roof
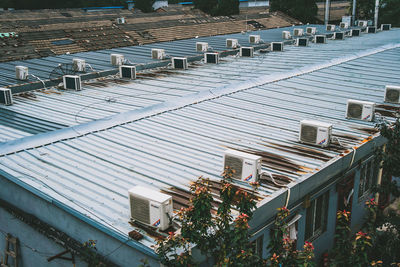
109,96
92,173
100,60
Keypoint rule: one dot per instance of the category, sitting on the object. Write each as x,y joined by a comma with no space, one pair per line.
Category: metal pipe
376,13
327,7
353,16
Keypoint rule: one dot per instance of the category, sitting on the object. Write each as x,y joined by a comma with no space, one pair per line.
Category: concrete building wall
118,252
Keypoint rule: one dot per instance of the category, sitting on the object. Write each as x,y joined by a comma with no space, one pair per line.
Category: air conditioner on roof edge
246,166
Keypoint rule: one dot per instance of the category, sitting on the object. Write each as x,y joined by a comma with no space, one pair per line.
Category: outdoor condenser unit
302,42
157,53
360,110
311,30
21,72
150,207
392,94
286,35
79,64
179,63
343,25
117,59
315,133
355,32
201,47
298,32
371,29
338,35
362,23
211,58
247,51
277,46
320,39
246,167
6,97
232,43
128,72
330,27
386,27
120,20
72,82
254,39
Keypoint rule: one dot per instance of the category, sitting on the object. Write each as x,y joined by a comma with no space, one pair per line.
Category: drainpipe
376,13
327,6
353,17
379,181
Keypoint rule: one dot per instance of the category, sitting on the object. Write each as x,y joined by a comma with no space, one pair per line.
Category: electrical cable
36,77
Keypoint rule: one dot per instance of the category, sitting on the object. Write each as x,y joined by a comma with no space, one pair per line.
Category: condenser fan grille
308,133
392,95
235,164
355,111
140,209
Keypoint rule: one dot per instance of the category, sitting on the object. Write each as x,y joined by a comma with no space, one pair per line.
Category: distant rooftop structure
38,30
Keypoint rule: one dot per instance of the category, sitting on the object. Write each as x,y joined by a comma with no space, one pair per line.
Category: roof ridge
106,123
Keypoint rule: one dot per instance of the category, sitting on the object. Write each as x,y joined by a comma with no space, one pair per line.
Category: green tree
207,6
303,10
227,7
389,12
145,6
223,237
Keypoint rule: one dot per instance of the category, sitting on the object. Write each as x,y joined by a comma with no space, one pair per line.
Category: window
257,245
368,174
316,217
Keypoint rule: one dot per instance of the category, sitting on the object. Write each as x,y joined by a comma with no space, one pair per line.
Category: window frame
322,201
368,175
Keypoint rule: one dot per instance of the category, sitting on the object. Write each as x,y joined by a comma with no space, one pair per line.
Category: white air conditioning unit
6,97
298,32
355,32
338,35
254,39
302,42
330,27
392,94
386,27
211,58
117,59
157,53
246,167
120,20
320,39
315,133
286,35
179,63
311,30
72,82
201,47
360,110
79,64
247,51
21,72
150,207
362,23
232,43
343,25
277,46
128,72
371,29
